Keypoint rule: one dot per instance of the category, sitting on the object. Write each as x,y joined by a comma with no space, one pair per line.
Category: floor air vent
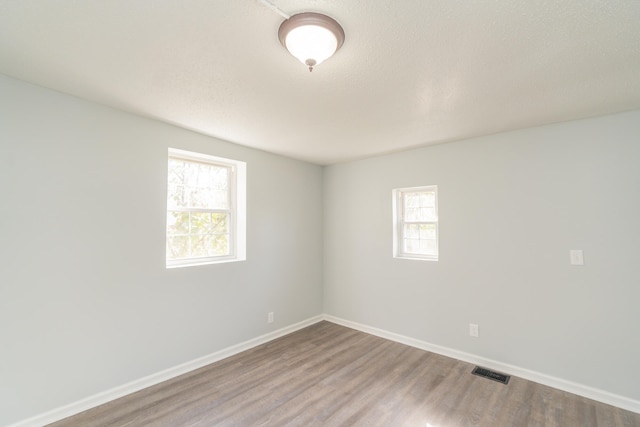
496,376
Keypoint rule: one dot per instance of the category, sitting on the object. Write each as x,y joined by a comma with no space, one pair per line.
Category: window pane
427,199
428,247
199,198
197,185
420,239
427,214
220,223
197,234
419,247
412,200
420,206
427,231
177,222
190,177
204,176
220,178
412,214
220,199
176,171
176,196
411,246
220,245
177,247
412,231
200,223
198,246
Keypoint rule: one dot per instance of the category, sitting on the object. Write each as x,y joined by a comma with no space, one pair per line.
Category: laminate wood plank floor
330,375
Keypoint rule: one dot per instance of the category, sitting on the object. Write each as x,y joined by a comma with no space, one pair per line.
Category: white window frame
399,223
237,209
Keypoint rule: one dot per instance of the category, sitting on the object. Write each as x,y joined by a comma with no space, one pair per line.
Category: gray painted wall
511,207
86,303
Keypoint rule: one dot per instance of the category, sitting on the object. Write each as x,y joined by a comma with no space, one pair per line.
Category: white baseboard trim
153,379
558,383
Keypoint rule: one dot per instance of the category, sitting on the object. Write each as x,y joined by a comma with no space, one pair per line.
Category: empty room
319,213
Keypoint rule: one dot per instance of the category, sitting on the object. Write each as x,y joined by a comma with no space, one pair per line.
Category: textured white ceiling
410,73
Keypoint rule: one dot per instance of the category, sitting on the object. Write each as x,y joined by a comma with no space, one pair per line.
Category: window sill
195,262
416,257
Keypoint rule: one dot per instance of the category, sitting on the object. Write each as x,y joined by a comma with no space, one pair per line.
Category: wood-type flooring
330,375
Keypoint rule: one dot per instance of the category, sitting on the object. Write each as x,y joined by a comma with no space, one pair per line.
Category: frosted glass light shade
311,43
311,37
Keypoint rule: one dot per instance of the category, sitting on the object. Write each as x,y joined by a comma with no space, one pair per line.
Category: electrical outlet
270,317
473,330
576,257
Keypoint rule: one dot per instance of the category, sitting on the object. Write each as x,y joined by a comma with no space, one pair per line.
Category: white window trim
237,209
398,223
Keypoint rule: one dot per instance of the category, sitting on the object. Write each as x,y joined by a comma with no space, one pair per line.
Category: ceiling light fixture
311,37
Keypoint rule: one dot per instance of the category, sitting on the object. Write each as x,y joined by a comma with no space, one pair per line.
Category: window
415,223
206,206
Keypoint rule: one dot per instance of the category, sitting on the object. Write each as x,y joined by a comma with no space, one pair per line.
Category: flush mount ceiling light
311,37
